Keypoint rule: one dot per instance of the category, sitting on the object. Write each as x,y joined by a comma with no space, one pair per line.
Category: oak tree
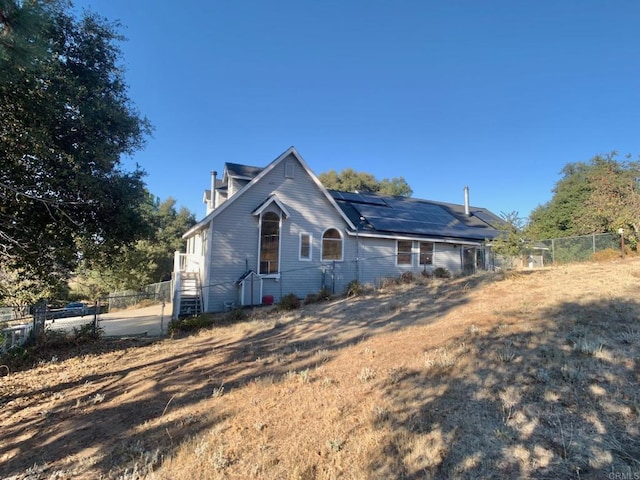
66,121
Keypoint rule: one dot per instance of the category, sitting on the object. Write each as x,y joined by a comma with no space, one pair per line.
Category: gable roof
272,199
396,216
238,170
261,174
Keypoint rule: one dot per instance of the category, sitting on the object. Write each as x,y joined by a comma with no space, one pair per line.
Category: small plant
304,376
87,333
442,357
629,336
323,355
389,282
322,296
355,289
505,355
588,346
441,273
217,392
190,324
97,398
235,315
407,277
289,302
335,445
380,415
366,374
474,329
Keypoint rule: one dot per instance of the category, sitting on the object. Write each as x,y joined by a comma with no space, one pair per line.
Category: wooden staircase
190,294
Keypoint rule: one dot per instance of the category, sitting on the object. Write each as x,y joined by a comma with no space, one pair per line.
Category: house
276,230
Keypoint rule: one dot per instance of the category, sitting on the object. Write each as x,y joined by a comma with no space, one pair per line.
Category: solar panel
364,198
489,218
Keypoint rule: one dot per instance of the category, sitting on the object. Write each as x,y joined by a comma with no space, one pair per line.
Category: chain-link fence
119,314
577,249
151,294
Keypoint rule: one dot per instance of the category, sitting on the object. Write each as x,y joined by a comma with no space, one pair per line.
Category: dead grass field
535,375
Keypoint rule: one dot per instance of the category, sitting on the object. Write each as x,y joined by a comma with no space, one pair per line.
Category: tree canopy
65,123
146,261
598,196
348,180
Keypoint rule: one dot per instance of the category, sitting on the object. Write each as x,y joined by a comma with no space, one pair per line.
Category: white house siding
234,243
378,259
447,256
235,238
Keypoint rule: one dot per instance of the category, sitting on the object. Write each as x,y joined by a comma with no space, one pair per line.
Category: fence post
162,320
95,317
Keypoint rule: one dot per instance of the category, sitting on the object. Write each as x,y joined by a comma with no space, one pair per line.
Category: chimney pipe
214,175
466,201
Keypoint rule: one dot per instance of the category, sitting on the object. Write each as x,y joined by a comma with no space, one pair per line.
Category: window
426,253
305,246
289,169
269,243
404,252
331,245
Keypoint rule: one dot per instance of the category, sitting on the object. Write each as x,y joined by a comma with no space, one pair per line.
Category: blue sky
497,95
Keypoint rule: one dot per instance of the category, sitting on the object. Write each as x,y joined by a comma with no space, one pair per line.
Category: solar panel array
415,217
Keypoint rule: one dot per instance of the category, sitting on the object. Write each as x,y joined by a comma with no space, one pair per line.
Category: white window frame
433,254
341,246
310,237
398,264
273,274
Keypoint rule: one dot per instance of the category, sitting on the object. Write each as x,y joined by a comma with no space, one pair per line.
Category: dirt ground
376,386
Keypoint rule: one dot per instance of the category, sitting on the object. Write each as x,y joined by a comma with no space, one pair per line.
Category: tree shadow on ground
556,396
156,398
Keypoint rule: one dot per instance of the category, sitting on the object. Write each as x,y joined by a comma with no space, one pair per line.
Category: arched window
269,243
331,245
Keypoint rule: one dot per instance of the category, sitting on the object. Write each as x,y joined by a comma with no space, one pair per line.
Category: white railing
187,262
16,335
184,263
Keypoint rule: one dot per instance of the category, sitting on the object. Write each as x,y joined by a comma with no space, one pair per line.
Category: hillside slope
531,376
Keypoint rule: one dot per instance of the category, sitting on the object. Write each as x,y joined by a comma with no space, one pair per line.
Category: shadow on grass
74,419
558,397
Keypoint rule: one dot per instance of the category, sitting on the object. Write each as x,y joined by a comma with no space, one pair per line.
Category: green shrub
289,302
86,333
441,273
189,324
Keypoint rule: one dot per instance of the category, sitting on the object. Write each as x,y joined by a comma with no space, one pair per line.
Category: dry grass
530,376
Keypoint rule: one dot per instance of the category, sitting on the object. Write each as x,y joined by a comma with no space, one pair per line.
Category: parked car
76,308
